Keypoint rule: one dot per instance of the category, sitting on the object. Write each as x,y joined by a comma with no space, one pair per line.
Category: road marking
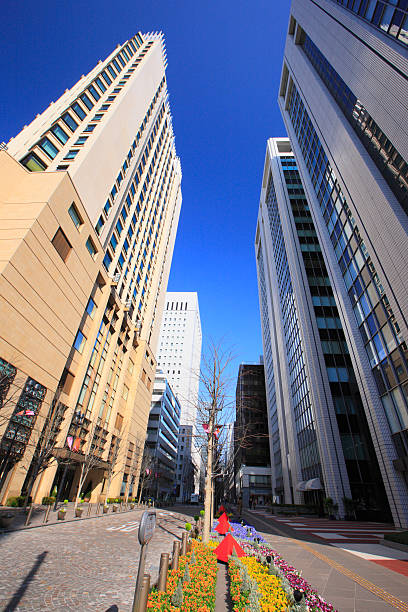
129,526
398,604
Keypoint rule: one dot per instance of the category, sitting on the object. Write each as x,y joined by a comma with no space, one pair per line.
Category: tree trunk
208,482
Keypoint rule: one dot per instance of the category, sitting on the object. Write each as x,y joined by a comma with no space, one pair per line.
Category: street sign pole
146,531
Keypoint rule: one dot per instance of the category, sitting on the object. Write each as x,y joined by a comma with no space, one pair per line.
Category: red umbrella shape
224,550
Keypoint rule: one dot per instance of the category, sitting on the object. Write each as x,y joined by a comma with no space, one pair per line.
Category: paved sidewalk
337,575
87,565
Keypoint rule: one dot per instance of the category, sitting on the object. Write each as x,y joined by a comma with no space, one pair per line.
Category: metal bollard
176,555
164,568
45,519
144,593
184,543
28,519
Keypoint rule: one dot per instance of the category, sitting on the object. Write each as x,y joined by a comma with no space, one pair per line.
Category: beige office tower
89,205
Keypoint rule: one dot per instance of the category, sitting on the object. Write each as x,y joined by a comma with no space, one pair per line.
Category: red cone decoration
221,509
223,525
224,550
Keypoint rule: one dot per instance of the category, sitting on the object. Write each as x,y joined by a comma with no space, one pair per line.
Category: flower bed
263,589
243,532
255,583
198,593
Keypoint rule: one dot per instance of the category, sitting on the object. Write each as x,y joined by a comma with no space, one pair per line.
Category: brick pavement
86,565
331,570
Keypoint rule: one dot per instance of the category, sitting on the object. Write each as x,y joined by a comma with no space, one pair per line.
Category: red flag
26,413
77,444
217,432
205,427
70,441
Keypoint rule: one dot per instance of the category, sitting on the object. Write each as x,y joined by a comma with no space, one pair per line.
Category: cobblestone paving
85,565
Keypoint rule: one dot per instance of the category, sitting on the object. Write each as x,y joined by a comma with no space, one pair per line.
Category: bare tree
146,471
136,464
91,459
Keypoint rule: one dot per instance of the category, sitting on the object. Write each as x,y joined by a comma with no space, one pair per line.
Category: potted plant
132,504
79,509
61,514
115,506
330,508
105,509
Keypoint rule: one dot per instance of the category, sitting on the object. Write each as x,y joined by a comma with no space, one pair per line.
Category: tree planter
132,506
6,520
105,509
115,508
78,512
61,515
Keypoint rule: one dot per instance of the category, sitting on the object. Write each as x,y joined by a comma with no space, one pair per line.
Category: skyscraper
251,441
343,98
90,200
319,437
179,356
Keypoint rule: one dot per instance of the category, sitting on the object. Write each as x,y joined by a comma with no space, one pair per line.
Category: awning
301,486
313,484
66,455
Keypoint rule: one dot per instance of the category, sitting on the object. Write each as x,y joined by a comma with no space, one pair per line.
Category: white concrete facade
179,353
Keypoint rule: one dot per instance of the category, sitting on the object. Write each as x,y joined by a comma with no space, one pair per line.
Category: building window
72,153
88,103
81,140
119,421
90,308
78,110
33,163
90,127
99,225
61,244
69,121
59,133
75,216
107,260
79,342
100,85
93,92
91,247
125,392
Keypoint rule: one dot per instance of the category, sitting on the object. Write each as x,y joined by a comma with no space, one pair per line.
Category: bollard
189,545
45,519
28,519
164,567
176,555
89,509
144,593
184,543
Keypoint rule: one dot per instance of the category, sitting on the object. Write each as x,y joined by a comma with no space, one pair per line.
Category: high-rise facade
319,437
251,440
343,98
179,353
162,438
179,356
90,200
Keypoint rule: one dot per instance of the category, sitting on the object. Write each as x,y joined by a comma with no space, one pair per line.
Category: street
83,565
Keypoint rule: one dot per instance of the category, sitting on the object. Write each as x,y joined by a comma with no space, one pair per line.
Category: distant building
179,356
162,438
251,437
343,97
186,474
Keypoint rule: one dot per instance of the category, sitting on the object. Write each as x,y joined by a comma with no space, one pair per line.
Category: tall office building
251,440
179,356
319,438
90,200
343,98
179,353
162,438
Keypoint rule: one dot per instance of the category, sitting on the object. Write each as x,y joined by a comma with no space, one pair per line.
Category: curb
72,520
394,545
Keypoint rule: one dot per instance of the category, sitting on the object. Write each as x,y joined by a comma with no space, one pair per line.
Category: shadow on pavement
18,595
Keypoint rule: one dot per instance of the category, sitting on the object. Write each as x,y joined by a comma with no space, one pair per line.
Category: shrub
17,501
202,512
188,526
48,501
196,517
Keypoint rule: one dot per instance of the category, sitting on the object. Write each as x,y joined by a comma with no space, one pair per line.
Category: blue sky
224,68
